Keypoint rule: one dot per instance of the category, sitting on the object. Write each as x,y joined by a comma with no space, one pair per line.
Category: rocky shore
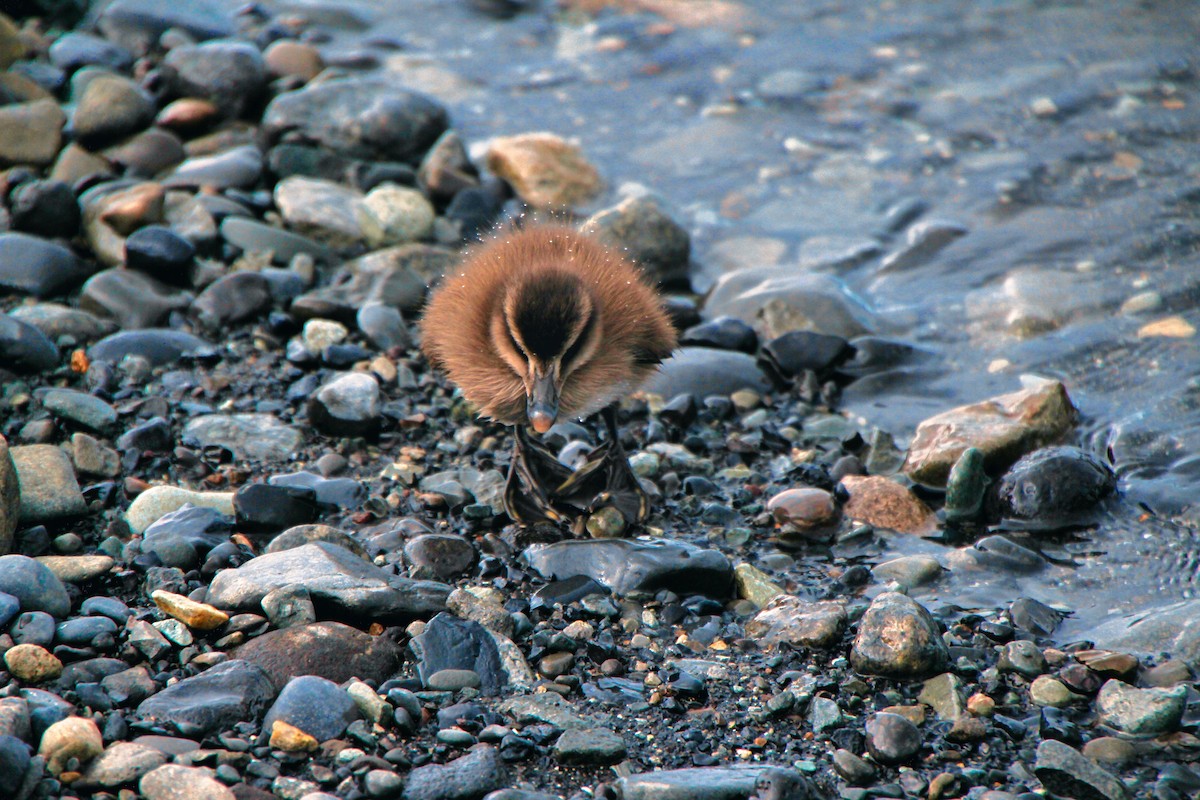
251,546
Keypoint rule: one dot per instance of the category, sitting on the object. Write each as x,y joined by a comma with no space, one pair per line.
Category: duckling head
545,329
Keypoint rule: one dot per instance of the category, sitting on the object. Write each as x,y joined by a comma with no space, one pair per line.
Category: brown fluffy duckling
541,323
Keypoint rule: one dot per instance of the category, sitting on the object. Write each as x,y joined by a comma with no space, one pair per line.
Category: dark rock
236,297
33,627
23,348
235,168
345,493
138,24
46,208
159,346
445,555
112,106
360,117
74,50
315,705
222,696
57,321
161,253
154,435
182,538
722,333
1064,771
449,643
780,783
898,638
82,631
229,73
35,266
384,326
589,746
892,739
1035,617
626,566
251,235
446,169
472,776
146,154
1053,488
795,352
329,649
80,408
262,507
251,437
338,581
15,757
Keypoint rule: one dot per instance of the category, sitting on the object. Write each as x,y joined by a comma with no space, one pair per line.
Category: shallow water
1061,137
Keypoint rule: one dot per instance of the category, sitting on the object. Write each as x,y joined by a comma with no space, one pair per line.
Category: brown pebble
884,503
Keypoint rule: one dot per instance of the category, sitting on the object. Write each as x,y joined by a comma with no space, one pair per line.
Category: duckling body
545,322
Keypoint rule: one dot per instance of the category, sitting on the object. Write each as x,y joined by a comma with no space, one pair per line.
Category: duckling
544,323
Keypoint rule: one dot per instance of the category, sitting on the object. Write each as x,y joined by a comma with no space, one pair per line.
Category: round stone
349,405
161,253
70,739
892,739
32,663
392,214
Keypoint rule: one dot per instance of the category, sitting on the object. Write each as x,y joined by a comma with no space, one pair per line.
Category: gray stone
81,408
138,24
93,458
1064,771
57,321
30,133
384,326
776,300
49,489
315,705
626,566
10,498
349,405
640,229
589,746
704,371
1140,712
120,764
698,783
392,214
478,772
892,739
250,437
254,236
132,299
174,782
230,692
236,168
31,265
335,578
111,106
23,348
158,346
1174,629
1022,656
327,211
230,73
34,585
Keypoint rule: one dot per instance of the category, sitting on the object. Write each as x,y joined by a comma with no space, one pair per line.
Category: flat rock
130,298
77,569
34,585
157,501
1174,629
80,408
120,764
31,265
589,746
218,698
1004,428
1140,712
777,300
473,775
695,783
30,133
250,437
159,346
255,236
329,649
364,118
236,168
24,348
705,371
49,489
174,782
545,170
327,211
795,620
625,565
882,502
55,320
337,581
1065,771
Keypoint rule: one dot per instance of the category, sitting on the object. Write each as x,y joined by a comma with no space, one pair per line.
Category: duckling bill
546,323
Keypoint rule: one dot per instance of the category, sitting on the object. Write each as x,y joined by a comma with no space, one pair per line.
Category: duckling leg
606,479
533,468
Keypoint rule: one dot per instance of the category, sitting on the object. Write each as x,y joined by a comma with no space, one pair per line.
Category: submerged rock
1054,487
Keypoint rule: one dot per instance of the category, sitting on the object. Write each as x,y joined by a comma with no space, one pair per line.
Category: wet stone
158,501
384,326
453,680
805,510
588,746
15,758
391,214
776,300
722,333
884,503
200,616
336,579
1054,487
261,507
1064,771
640,229
24,348
288,606
704,371
909,571
325,210
182,537
251,437
754,585
966,486
57,321
130,298
856,771
315,705
33,627
344,493
789,356
153,435
1034,616
112,106
49,489
347,406
80,408
217,698
93,458
160,253
794,620
254,236
473,775
305,534
46,208
898,638
1047,691
73,738
625,566
1140,712
174,782
448,643
235,168
229,73
1023,657
892,739
158,347
445,556
329,649
120,764
706,783
360,117
34,585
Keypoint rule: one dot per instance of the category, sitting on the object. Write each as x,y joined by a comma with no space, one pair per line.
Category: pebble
1110,751
1048,691
1023,657
1063,770
288,606
1055,487
285,58
450,644
93,458
349,405
641,229
315,705
174,782
391,214
883,503
158,501
75,50
199,616
257,237
707,783
160,253
545,170
236,168
777,300
111,107
795,620
130,298
589,746
31,265
855,770
31,133
291,739
70,739
77,569
32,664
446,556
228,73
892,739
806,510
329,649
250,437
157,346
327,211
898,638
10,499
452,680
703,371
81,408
34,585
724,333
46,208
626,566
754,585
24,348
473,775
121,764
